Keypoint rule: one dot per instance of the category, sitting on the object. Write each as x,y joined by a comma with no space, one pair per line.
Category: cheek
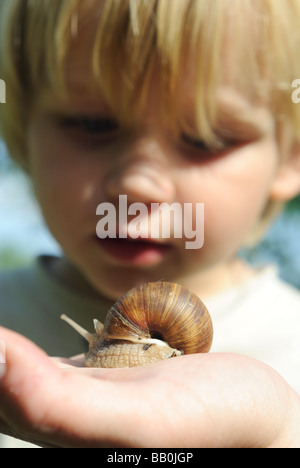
243,197
234,190
66,185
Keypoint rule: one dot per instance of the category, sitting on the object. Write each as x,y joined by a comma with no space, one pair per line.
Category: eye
194,142
215,147
93,126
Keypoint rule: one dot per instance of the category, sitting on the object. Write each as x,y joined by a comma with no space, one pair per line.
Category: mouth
138,252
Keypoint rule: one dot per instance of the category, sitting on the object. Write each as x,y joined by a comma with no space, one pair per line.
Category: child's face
77,164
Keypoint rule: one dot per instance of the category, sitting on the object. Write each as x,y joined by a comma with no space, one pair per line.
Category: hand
209,400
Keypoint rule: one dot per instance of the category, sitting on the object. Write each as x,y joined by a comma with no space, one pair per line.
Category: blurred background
23,234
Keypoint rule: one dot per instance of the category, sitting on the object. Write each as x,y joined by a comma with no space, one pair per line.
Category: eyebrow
237,116
234,108
76,97
235,105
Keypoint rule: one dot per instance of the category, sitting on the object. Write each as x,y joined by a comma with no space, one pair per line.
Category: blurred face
80,156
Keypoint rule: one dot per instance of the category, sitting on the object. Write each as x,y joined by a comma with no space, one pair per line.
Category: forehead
233,108
242,43
98,43
109,57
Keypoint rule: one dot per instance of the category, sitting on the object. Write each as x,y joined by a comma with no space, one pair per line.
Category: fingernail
2,358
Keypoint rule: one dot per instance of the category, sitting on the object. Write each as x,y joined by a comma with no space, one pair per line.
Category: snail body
151,322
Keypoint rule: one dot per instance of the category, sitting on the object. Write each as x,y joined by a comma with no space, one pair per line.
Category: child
185,101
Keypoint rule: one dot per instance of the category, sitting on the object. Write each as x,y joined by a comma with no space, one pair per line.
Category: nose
142,173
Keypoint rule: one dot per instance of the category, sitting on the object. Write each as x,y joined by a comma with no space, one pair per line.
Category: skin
139,407
75,169
211,409
148,163
226,400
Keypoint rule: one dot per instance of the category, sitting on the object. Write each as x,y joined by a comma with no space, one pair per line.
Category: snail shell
151,322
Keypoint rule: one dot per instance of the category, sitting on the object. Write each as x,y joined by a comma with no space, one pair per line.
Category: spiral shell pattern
162,310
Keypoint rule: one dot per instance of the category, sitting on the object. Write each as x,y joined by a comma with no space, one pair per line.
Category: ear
286,184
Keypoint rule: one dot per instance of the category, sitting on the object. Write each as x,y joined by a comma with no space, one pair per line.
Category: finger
39,401
21,382
75,361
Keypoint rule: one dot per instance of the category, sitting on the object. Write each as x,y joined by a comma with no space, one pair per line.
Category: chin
114,285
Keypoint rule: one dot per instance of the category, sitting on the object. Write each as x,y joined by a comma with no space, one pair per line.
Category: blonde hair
37,36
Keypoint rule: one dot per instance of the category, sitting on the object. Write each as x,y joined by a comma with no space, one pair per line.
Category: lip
139,252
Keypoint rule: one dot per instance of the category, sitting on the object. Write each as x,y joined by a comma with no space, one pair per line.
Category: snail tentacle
84,333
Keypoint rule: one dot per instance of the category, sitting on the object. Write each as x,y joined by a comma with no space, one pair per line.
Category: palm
208,400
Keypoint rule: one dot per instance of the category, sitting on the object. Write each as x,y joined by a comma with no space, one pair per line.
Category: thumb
26,376
50,406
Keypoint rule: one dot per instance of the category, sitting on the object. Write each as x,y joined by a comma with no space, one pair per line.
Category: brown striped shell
151,322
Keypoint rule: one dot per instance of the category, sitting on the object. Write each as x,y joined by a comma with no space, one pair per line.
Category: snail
149,323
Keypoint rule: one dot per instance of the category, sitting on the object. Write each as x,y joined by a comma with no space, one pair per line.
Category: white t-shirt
259,318
32,301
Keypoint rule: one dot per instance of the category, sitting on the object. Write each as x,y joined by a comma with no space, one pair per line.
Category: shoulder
275,294
16,286
32,302
263,302
260,318
21,298
263,293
